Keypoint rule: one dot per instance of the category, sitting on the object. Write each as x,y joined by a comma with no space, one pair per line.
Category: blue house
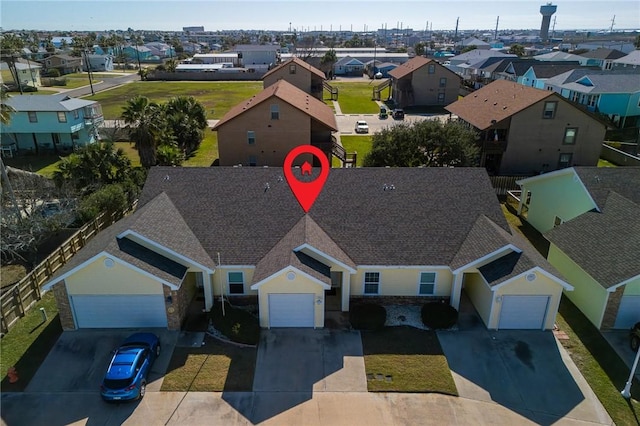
348,66
539,72
137,52
615,93
50,124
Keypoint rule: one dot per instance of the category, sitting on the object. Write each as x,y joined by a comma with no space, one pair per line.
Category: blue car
126,376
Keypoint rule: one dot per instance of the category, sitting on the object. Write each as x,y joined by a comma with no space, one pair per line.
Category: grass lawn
355,98
412,357
41,164
11,274
601,367
28,342
216,97
214,367
207,153
359,144
605,163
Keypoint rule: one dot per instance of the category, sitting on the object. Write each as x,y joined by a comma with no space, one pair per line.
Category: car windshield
117,383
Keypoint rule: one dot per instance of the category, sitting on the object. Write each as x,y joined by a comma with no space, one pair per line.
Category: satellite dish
378,74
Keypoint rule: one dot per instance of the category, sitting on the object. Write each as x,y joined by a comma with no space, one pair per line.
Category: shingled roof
410,66
600,181
290,94
604,244
496,101
423,221
299,62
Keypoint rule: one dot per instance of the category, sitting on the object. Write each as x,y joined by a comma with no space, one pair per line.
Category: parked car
362,127
634,337
126,376
398,114
383,113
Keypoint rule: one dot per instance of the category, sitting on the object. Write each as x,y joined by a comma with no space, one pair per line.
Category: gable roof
295,60
605,82
548,69
290,94
632,58
496,101
57,102
348,60
231,213
603,53
410,66
604,244
479,54
600,181
558,56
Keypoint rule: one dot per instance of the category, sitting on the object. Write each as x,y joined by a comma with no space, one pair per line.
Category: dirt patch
11,274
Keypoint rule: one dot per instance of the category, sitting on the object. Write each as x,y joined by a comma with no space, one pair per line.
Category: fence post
16,296
36,287
3,323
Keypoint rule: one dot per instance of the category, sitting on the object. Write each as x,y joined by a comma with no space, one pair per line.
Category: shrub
439,315
109,198
368,316
236,324
52,72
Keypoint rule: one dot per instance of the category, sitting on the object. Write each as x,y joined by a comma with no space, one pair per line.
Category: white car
362,126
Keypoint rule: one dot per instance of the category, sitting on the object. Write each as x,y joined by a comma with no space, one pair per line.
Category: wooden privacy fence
16,301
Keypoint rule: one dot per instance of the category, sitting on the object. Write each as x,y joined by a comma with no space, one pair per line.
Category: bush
439,315
237,324
53,72
368,316
109,198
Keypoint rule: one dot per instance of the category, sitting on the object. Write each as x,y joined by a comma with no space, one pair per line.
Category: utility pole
495,37
86,59
455,35
613,22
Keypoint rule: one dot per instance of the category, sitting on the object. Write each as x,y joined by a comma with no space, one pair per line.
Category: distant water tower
547,11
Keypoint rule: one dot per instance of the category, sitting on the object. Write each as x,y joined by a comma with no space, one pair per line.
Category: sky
311,15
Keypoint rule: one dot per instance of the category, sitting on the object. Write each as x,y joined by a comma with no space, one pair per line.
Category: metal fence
504,184
16,301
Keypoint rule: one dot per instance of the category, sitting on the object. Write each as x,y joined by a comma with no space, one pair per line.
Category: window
427,283
251,137
432,69
371,282
440,98
236,282
565,160
292,69
549,109
570,134
33,117
253,160
593,100
76,114
275,112
557,222
62,117
443,82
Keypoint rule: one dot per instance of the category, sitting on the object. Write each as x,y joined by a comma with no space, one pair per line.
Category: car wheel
158,350
143,389
635,343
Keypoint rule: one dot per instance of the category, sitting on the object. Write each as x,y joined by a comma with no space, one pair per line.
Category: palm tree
187,119
5,109
144,121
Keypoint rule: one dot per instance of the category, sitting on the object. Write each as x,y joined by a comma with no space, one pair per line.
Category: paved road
107,83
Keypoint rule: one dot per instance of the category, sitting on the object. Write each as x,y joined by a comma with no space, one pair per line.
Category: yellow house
391,236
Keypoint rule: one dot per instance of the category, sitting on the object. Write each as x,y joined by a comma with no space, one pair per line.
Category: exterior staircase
348,159
378,89
332,90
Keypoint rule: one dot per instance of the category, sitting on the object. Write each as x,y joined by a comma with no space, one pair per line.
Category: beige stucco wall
221,280
280,284
301,79
402,281
534,141
541,286
426,87
562,195
480,294
96,278
274,138
588,295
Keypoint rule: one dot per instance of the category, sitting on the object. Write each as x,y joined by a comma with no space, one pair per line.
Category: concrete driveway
525,371
79,359
619,341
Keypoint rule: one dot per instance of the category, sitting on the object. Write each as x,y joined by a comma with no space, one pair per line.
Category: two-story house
526,131
65,64
302,75
28,72
602,58
54,123
424,82
263,129
96,62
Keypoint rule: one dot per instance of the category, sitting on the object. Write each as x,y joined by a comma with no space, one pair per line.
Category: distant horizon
325,16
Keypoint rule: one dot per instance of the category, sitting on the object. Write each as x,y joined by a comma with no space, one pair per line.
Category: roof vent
266,187
386,187
166,178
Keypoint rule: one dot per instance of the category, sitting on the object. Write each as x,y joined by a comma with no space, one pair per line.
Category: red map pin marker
306,192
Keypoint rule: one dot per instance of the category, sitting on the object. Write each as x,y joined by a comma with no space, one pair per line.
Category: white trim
226,267
51,283
552,277
326,256
620,284
435,282
168,250
420,267
488,256
229,283
364,282
260,283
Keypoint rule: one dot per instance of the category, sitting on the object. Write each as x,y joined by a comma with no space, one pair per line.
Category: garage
523,312
120,311
291,310
628,312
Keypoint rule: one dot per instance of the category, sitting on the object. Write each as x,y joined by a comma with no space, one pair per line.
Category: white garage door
291,310
523,312
628,312
119,311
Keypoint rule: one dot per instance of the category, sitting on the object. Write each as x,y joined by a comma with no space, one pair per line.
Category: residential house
259,57
602,58
239,232
161,50
423,81
98,63
137,53
65,64
562,56
537,74
615,92
473,41
302,75
459,63
526,131
374,67
262,130
28,73
631,60
50,124
590,217
349,67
